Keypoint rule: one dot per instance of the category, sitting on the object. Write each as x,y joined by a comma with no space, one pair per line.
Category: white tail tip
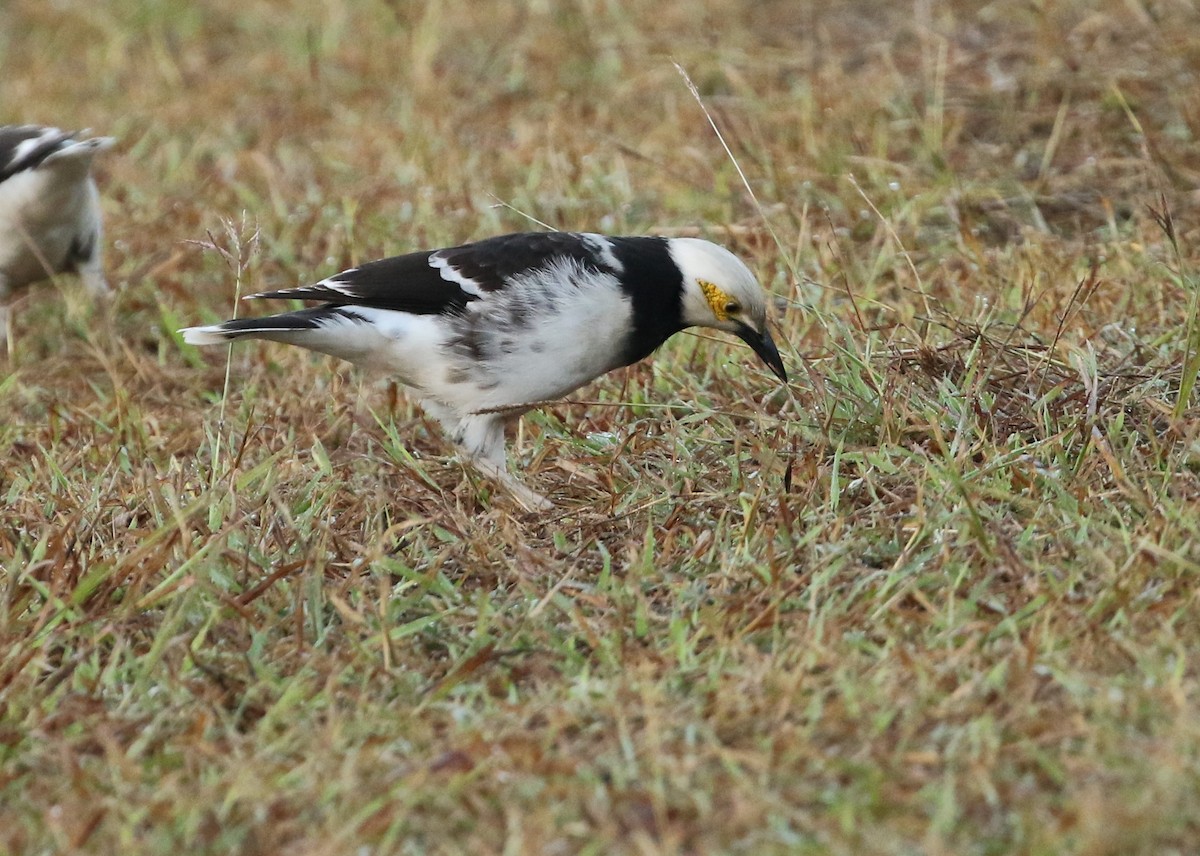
213,335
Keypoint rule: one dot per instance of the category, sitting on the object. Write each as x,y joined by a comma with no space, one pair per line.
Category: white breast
41,213
539,339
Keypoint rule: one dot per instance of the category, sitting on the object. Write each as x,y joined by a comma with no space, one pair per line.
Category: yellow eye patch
718,300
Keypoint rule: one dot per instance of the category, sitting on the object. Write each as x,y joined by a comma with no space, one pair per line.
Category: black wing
23,147
407,283
492,263
440,281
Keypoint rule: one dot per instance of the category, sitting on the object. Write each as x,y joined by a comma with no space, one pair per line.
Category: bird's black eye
733,307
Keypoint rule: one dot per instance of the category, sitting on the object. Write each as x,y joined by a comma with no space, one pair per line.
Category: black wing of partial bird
441,281
24,147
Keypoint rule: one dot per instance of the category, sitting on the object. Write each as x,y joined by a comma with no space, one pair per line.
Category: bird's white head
720,291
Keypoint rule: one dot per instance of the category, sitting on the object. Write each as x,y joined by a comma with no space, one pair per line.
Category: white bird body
50,218
487,330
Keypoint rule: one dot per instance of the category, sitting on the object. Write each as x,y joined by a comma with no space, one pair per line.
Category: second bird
49,209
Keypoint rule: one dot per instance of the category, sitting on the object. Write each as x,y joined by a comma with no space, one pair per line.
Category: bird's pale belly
548,358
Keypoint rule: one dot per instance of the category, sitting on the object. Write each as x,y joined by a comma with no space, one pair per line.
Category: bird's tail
341,331
287,327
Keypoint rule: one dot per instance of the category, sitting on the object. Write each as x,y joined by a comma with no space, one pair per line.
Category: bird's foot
95,283
528,499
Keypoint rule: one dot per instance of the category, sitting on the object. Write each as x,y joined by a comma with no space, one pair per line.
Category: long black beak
764,346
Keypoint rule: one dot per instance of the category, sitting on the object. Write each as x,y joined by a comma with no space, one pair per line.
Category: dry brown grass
939,597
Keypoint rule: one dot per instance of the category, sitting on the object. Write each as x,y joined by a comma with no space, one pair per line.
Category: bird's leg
6,318
6,323
482,437
91,272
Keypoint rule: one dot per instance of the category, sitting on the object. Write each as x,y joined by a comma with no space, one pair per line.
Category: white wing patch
339,286
326,289
602,248
449,273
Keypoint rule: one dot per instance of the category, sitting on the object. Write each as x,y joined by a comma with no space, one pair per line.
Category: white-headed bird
487,330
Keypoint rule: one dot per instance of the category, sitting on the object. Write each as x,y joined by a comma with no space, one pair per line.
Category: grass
939,596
